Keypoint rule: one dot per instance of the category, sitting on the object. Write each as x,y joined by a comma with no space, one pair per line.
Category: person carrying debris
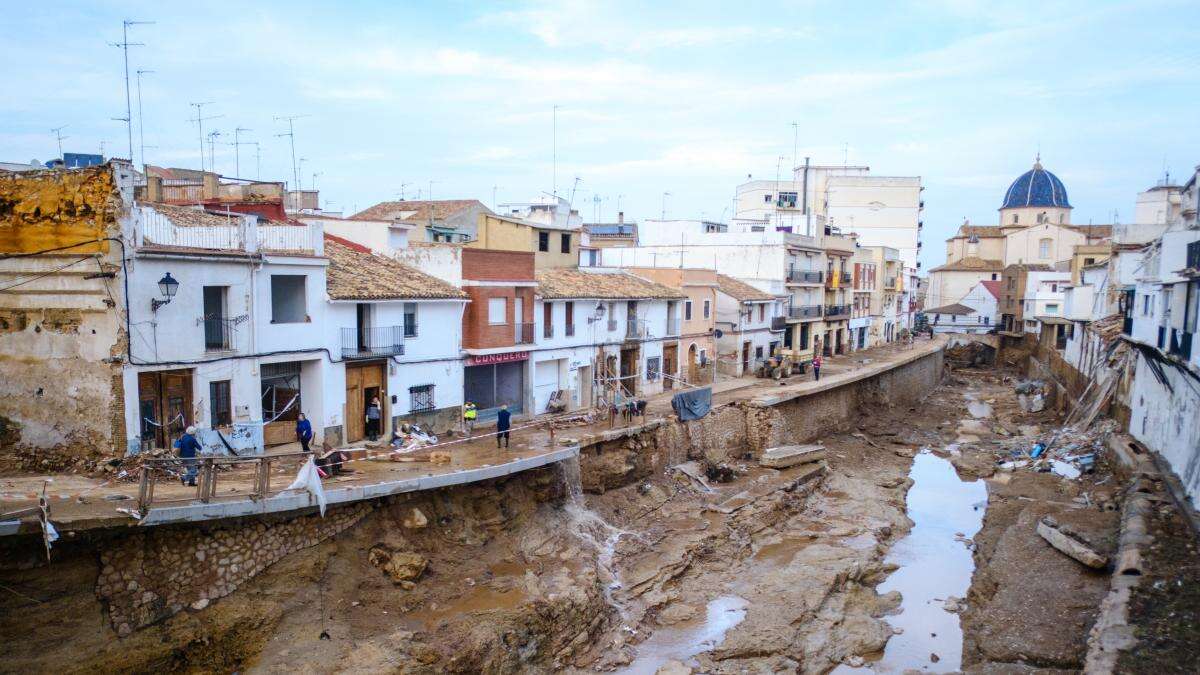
304,431
469,412
816,364
503,424
189,450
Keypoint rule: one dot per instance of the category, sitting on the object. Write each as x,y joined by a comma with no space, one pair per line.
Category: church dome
1036,187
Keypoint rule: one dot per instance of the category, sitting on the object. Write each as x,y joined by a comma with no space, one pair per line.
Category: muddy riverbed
905,549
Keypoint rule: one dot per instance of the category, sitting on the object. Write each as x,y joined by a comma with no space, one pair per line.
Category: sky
457,100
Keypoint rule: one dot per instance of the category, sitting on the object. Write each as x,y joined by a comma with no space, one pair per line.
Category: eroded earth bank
646,556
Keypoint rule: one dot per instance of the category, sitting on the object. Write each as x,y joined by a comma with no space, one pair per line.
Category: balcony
547,330
838,279
796,276
890,283
371,343
635,329
837,311
804,312
1180,344
1193,255
778,323
570,330
672,326
218,334
523,333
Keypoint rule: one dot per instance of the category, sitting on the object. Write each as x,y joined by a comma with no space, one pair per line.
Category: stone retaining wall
154,574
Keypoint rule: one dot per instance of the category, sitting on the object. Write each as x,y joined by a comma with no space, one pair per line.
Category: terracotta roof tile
955,308
979,231
993,287
417,211
572,283
740,290
186,216
971,264
357,274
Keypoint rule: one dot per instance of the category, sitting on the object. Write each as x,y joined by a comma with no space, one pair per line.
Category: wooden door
355,424
670,365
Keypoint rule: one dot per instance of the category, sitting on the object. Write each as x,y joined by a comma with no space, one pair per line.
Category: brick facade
496,267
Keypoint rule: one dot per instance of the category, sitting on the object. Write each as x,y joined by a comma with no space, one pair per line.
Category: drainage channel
935,568
683,642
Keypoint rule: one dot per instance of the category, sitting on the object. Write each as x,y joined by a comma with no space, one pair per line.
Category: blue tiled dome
1036,187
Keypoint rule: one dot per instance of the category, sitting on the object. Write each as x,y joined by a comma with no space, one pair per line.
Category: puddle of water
979,409
780,553
685,640
482,598
933,567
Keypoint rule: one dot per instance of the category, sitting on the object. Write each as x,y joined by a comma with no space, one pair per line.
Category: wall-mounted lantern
168,287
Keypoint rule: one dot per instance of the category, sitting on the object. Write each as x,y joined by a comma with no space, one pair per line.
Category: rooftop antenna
845,155
430,195
57,131
200,120
299,166
664,204
212,157
494,189
619,197
125,44
291,134
102,143
401,192
314,184
257,160
237,154
554,153
141,119
578,180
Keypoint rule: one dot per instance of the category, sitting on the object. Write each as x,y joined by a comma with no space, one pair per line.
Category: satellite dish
718,334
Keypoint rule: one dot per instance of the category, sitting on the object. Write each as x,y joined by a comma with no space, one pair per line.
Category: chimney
620,217
154,189
211,188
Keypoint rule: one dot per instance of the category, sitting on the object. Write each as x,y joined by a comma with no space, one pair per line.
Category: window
707,308
570,311
803,336
543,241
548,319
1146,304
993,276
762,313
767,198
287,299
652,368
1051,308
703,357
953,318
987,320
687,310
758,352
566,243
219,404
1089,261
410,319
1016,219
497,311
217,327
1044,248
420,398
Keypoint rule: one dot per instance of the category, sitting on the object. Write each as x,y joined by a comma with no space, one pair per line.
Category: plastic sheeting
309,479
692,404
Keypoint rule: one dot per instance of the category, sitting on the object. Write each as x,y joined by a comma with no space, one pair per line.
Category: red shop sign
492,359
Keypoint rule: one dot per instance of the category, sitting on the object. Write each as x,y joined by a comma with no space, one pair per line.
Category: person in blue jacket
304,431
189,450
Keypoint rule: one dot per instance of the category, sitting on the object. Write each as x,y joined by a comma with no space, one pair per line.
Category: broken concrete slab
1065,542
790,455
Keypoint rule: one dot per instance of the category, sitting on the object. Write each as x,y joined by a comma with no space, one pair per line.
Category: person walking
503,424
469,412
374,415
304,432
189,450
817,366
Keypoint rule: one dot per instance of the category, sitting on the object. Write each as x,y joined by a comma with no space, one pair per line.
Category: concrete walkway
471,460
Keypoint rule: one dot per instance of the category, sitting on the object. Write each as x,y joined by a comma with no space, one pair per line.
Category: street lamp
168,287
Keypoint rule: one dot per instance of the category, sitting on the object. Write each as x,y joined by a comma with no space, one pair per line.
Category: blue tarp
692,404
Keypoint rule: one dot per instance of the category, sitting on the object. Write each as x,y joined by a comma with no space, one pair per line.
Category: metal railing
523,333
672,326
834,277
1180,344
372,342
218,334
547,330
257,469
837,310
804,312
890,282
778,323
569,331
795,276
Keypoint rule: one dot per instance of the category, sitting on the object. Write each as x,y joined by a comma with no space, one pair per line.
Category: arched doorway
693,364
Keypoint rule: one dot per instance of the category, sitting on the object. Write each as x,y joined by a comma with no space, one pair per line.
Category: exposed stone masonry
150,576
